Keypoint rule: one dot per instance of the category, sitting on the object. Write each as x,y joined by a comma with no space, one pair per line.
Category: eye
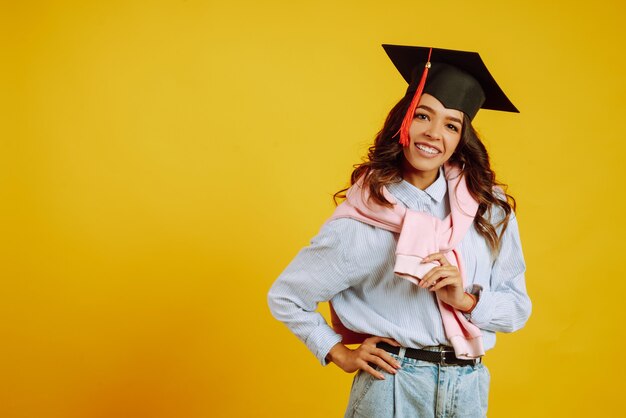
421,116
452,127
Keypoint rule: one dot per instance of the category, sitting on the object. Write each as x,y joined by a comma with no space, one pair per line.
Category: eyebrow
431,110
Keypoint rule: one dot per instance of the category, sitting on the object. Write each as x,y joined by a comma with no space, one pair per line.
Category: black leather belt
443,357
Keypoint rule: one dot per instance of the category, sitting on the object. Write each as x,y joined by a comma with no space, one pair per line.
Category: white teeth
427,149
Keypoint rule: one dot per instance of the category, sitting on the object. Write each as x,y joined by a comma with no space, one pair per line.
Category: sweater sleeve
505,306
315,275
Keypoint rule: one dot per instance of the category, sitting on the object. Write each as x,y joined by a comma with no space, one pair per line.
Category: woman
422,263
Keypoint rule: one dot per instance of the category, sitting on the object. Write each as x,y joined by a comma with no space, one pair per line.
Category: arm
505,306
316,274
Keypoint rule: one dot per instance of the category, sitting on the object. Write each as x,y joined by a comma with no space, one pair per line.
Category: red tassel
410,114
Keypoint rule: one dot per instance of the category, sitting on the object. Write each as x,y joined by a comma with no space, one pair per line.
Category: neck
421,179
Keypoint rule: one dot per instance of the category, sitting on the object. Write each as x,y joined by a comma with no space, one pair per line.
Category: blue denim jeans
421,389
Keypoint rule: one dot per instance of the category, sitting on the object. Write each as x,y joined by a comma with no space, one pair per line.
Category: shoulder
355,239
496,213
348,229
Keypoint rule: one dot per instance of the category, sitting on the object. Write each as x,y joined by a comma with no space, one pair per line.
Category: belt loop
402,352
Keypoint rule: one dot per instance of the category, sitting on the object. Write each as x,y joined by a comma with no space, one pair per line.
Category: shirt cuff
321,340
482,313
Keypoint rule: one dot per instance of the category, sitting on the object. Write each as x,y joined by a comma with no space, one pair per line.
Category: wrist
337,354
469,303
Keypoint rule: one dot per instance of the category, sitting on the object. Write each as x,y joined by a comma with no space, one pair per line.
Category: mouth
427,149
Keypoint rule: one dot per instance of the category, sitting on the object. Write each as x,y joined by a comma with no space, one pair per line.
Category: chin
423,166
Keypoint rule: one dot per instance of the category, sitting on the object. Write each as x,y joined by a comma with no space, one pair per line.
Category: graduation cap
458,79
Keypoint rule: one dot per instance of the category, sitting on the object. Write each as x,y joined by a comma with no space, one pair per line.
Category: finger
427,277
450,281
386,365
382,353
433,271
429,258
369,369
379,352
371,341
390,341
432,277
436,274
388,358
383,339
429,283
437,257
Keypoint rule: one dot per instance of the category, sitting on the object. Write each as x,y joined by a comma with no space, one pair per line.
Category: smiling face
435,133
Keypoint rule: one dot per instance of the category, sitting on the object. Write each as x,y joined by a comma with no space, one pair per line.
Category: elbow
281,304
273,302
526,310
519,321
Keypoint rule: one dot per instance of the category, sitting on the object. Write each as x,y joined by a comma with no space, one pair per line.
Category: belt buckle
442,361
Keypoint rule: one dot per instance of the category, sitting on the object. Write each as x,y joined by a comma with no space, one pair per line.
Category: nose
434,132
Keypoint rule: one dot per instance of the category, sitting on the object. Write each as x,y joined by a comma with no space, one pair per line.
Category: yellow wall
162,161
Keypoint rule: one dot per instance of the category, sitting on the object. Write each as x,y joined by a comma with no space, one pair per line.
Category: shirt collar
410,195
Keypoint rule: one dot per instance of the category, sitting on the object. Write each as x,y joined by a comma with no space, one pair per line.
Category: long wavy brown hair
383,166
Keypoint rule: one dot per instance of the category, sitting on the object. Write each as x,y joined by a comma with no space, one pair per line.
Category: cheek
415,129
453,143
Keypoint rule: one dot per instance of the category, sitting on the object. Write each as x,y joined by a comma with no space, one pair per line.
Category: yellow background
162,161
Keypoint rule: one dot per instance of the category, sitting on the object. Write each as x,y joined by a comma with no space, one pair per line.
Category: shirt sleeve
505,306
315,275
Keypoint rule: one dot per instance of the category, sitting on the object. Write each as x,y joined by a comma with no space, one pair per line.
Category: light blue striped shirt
351,263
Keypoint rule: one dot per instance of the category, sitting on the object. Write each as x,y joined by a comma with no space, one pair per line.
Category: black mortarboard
458,79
